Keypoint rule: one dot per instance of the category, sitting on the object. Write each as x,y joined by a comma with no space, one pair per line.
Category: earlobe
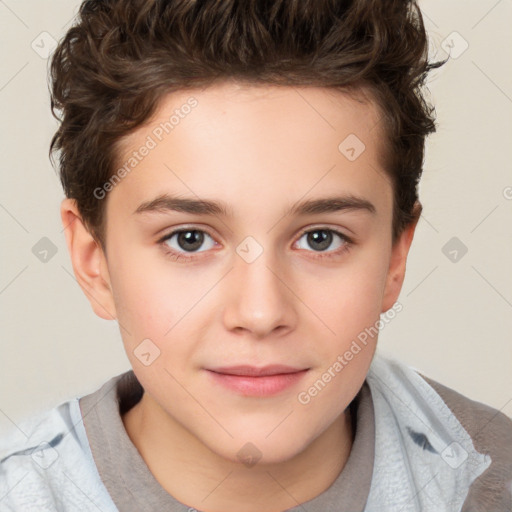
397,264
88,260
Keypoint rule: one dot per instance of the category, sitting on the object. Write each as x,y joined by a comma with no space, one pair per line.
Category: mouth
254,371
257,381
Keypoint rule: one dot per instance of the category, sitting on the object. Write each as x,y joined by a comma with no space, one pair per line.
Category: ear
88,260
396,271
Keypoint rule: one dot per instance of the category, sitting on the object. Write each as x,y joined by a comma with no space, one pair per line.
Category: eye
183,243
180,242
320,239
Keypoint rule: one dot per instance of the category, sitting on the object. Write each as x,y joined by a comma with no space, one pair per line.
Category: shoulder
488,426
46,465
491,433
455,432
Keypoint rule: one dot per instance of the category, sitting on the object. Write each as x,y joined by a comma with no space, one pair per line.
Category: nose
259,298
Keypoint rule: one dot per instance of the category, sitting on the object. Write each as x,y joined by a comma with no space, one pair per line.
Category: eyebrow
165,202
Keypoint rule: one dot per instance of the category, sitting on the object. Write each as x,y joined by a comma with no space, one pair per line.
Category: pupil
193,237
324,240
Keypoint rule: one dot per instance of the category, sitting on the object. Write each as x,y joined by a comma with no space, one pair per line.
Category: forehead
307,113
260,138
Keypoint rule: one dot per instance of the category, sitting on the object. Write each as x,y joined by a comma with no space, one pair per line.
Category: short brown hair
121,57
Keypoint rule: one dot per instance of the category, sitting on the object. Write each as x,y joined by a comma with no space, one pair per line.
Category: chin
251,449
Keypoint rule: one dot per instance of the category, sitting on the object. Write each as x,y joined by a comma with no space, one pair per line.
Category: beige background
456,322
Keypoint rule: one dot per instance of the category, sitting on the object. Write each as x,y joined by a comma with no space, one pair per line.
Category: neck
196,476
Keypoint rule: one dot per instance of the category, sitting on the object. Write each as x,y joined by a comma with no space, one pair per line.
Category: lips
256,381
254,371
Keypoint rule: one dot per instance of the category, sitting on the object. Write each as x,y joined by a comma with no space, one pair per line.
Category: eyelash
175,256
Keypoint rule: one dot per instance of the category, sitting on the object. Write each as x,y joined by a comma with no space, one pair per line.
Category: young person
283,141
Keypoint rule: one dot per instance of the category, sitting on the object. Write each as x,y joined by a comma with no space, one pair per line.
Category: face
252,232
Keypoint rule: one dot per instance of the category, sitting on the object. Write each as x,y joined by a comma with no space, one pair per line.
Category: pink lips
254,381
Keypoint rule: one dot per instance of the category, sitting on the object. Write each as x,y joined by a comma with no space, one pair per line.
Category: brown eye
321,239
185,241
190,240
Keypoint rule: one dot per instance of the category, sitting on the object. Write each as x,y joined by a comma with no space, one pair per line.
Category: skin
260,150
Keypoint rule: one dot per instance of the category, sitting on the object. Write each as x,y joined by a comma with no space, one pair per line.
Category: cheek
349,299
350,307
144,294
159,301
